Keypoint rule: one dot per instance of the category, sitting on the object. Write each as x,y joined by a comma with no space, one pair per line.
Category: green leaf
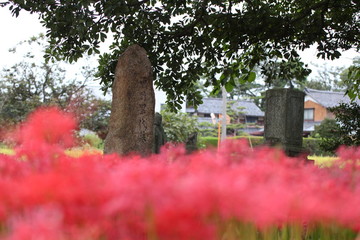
223,78
277,53
351,95
215,39
102,36
229,87
252,76
215,91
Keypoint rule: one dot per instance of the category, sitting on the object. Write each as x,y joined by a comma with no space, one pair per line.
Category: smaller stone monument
159,133
284,119
191,143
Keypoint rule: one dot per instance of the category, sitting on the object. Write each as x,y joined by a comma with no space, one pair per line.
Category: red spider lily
211,194
45,135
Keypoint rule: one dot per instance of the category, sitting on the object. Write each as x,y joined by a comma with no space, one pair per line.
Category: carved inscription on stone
133,105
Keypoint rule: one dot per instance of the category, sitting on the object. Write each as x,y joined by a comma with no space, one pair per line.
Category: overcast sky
13,30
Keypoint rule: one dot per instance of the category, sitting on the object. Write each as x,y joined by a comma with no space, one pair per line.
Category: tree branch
138,3
3,4
187,30
307,11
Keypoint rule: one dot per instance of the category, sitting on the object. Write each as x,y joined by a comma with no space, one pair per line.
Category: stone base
293,151
299,153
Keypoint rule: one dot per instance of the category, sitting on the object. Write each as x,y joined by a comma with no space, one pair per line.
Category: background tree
268,74
343,130
254,91
279,74
330,133
178,126
98,119
327,78
351,79
188,39
334,78
235,113
348,118
32,83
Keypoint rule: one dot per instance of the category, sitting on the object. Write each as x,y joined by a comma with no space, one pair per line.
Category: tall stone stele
284,118
133,105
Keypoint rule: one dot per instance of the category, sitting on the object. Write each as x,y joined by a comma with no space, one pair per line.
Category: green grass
74,152
7,151
323,161
77,152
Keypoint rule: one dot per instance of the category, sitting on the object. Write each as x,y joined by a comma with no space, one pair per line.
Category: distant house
251,115
317,104
316,108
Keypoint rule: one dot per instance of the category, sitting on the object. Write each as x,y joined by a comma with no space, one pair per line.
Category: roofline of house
309,90
243,100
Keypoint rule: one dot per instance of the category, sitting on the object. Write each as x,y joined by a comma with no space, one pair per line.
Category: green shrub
253,141
213,141
178,126
207,129
327,129
329,133
311,145
348,117
209,141
93,140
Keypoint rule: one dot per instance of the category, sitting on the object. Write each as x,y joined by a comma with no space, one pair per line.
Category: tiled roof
214,105
328,99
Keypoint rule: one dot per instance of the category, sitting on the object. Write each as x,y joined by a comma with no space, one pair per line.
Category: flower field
231,193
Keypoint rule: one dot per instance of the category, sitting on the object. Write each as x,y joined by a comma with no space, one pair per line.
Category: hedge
213,141
311,145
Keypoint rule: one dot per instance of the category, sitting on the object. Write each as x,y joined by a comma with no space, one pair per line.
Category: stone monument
133,105
191,142
284,119
159,133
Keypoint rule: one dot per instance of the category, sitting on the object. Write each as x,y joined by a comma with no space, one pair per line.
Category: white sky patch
15,30
309,57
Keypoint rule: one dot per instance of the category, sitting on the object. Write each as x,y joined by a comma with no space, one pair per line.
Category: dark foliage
187,40
348,117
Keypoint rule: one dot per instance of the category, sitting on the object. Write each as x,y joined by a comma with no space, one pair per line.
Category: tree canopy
30,84
189,39
351,78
